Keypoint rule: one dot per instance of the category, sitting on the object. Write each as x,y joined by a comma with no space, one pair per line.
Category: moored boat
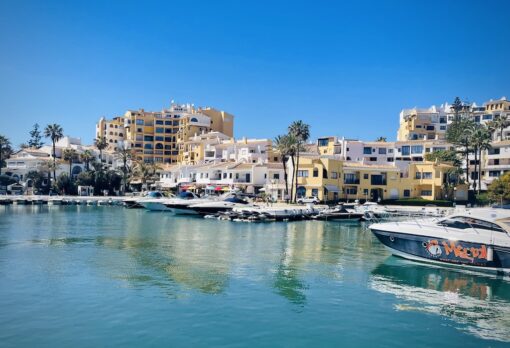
478,239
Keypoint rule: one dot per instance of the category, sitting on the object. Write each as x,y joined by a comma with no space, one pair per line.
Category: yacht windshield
464,222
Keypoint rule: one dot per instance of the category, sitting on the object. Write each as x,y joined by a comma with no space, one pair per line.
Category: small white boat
55,201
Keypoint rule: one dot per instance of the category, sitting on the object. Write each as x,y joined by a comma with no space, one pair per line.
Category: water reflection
477,303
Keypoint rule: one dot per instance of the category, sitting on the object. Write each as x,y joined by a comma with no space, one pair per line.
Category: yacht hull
154,206
457,253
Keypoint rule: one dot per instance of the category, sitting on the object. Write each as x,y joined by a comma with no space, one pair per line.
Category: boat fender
490,254
392,238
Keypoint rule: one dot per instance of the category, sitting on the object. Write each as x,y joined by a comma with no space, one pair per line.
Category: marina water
84,276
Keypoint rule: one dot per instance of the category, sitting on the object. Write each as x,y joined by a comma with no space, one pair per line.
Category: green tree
101,144
444,156
70,155
124,154
85,179
499,189
480,141
301,131
500,123
5,151
39,181
285,146
381,139
65,185
86,157
459,133
35,137
457,107
55,133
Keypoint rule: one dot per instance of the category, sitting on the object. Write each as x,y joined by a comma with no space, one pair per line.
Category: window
334,175
139,122
389,159
160,130
367,150
378,179
424,175
302,173
373,159
382,151
323,142
365,176
351,178
315,172
426,192
148,138
351,190
494,173
430,128
160,138
487,117
276,176
315,192
407,193
406,150
159,122
417,149
168,123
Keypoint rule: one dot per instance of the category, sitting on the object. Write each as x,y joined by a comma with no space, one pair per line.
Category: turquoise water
108,276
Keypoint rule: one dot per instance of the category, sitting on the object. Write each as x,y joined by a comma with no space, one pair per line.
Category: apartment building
330,178
112,131
161,136
249,177
432,123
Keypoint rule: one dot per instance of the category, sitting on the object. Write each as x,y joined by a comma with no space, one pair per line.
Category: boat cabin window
155,194
463,222
186,195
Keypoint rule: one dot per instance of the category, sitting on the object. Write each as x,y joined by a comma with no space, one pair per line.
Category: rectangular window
302,173
367,150
389,159
160,138
323,142
148,138
416,149
487,117
365,176
334,175
407,193
351,178
378,179
315,192
159,122
406,150
382,151
139,122
426,192
351,190
160,130
427,175
276,176
373,159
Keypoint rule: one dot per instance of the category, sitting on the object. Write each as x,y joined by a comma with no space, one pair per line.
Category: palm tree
5,144
381,139
55,133
70,155
101,144
145,171
284,145
87,156
500,123
301,131
125,154
480,141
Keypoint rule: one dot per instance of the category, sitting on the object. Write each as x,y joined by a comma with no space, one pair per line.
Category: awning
262,190
332,188
218,188
225,189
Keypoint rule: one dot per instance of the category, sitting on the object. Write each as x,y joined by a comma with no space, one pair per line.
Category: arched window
194,119
301,191
159,146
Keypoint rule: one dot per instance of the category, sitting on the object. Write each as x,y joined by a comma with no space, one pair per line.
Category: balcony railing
351,181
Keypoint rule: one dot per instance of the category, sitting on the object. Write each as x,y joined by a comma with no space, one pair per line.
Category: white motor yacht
475,239
224,203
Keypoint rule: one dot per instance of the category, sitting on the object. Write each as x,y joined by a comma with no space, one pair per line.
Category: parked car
304,200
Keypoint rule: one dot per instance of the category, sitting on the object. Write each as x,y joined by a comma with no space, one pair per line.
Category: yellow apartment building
330,179
160,136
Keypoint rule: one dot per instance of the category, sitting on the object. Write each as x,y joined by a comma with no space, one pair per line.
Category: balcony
351,181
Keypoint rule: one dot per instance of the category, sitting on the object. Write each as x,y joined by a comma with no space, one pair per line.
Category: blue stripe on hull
445,251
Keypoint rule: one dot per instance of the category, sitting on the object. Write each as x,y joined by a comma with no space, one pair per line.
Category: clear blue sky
346,69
